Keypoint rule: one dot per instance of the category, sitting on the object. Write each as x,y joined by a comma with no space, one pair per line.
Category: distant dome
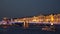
5,18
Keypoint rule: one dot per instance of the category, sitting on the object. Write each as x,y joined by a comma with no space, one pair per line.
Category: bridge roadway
25,23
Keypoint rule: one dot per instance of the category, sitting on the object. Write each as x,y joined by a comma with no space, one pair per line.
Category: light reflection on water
17,30
30,30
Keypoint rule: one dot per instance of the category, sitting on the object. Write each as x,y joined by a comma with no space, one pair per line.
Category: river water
29,30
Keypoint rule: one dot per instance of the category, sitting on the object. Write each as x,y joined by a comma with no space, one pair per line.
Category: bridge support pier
26,24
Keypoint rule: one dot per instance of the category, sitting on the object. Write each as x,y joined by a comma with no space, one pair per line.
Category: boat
49,28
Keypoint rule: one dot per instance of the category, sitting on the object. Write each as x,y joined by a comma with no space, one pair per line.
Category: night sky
22,8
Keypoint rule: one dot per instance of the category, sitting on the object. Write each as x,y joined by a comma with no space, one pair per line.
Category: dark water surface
30,30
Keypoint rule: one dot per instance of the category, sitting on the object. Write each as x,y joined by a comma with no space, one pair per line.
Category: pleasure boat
49,28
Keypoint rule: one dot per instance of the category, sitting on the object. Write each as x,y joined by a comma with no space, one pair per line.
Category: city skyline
40,18
29,16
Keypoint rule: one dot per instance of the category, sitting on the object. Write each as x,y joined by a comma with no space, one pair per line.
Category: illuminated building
41,18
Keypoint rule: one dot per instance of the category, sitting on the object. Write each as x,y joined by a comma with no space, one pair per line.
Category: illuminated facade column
41,18
47,19
58,15
34,19
52,19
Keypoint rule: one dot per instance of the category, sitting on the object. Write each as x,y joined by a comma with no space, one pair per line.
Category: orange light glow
52,18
